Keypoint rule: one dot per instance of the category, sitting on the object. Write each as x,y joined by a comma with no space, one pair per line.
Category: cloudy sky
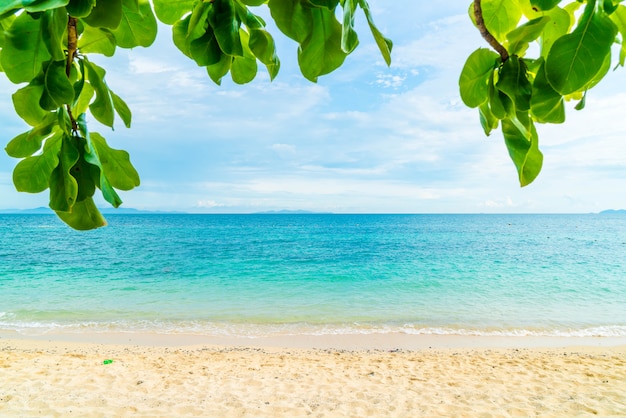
364,139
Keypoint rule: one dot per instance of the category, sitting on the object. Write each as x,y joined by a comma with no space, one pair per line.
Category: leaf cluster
573,46
45,44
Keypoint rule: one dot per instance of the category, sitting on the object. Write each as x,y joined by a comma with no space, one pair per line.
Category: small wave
241,330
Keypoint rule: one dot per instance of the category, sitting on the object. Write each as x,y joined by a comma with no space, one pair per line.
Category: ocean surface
270,275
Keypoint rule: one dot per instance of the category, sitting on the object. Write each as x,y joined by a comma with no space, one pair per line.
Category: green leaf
519,38
546,104
57,89
63,186
243,69
488,120
83,100
253,2
115,164
619,18
24,50
97,41
205,50
106,14
263,47
523,150
102,107
32,174
169,12
384,44
179,35
121,108
219,70
26,103
475,76
84,216
54,24
501,16
576,58
80,8
86,174
28,143
223,19
559,25
543,5
514,82
31,5
137,27
349,37
292,17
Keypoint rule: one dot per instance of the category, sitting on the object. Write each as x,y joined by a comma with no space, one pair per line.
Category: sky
365,139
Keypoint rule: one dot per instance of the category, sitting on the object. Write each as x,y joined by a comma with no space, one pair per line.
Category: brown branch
487,36
72,47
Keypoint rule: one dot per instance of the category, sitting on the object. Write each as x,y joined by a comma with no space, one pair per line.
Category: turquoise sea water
257,275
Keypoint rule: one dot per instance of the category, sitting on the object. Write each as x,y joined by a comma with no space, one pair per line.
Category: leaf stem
72,46
484,32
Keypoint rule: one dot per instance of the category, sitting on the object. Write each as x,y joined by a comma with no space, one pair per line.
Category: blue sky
364,139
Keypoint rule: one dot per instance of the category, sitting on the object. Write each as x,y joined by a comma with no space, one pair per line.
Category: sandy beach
64,378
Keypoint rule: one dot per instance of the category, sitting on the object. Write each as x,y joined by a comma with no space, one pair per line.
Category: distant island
613,212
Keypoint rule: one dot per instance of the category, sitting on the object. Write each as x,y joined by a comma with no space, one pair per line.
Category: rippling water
317,274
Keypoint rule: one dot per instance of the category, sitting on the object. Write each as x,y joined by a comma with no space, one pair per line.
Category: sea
263,275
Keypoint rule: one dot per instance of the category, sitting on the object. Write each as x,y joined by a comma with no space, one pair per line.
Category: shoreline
351,342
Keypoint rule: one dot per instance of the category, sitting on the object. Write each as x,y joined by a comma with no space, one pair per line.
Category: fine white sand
61,378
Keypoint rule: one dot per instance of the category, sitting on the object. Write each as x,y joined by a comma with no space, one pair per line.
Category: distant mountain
613,212
291,212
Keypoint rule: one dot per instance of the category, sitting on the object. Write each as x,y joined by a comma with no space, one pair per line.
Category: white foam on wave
246,330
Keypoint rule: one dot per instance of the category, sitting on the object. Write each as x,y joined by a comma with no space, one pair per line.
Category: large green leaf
84,216
349,37
137,27
542,5
32,174
475,76
205,50
106,14
121,108
179,35
619,18
115,164
243,69
219,70
102,106
488,120
223,18
559,25
63,186
24,50
523,150
26,103
514,82
80,8
263,47
169,12
576,58
57,89
546,104
292,17
501,16
97,41
31,5
519,38
54,24
28,143
384,44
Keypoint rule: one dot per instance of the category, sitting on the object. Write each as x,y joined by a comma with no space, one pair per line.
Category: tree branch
72,46
487,36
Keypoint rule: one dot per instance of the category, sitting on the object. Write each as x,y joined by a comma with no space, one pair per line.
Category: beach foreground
44,378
